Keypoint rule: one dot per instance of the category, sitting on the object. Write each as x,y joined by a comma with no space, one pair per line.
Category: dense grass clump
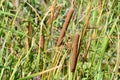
59,39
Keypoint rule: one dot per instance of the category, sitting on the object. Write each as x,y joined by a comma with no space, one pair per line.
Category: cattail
75,53
29,34
65,26
42,42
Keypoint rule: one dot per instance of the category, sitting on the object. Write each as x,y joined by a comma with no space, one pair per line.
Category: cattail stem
117,58
75,53
65,26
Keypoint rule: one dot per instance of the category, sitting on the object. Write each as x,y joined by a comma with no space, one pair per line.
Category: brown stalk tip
42,42
75,52
29,34
65,26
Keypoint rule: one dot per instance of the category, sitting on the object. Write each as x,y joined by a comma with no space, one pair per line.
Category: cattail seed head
65,26
42,42
29,34
75,53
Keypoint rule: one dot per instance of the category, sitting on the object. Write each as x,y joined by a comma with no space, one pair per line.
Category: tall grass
29,31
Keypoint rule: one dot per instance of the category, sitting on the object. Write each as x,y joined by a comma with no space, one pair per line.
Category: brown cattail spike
29,34
42,42
75,53
65,26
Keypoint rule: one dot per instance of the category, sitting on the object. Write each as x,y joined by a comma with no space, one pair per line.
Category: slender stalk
117,58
